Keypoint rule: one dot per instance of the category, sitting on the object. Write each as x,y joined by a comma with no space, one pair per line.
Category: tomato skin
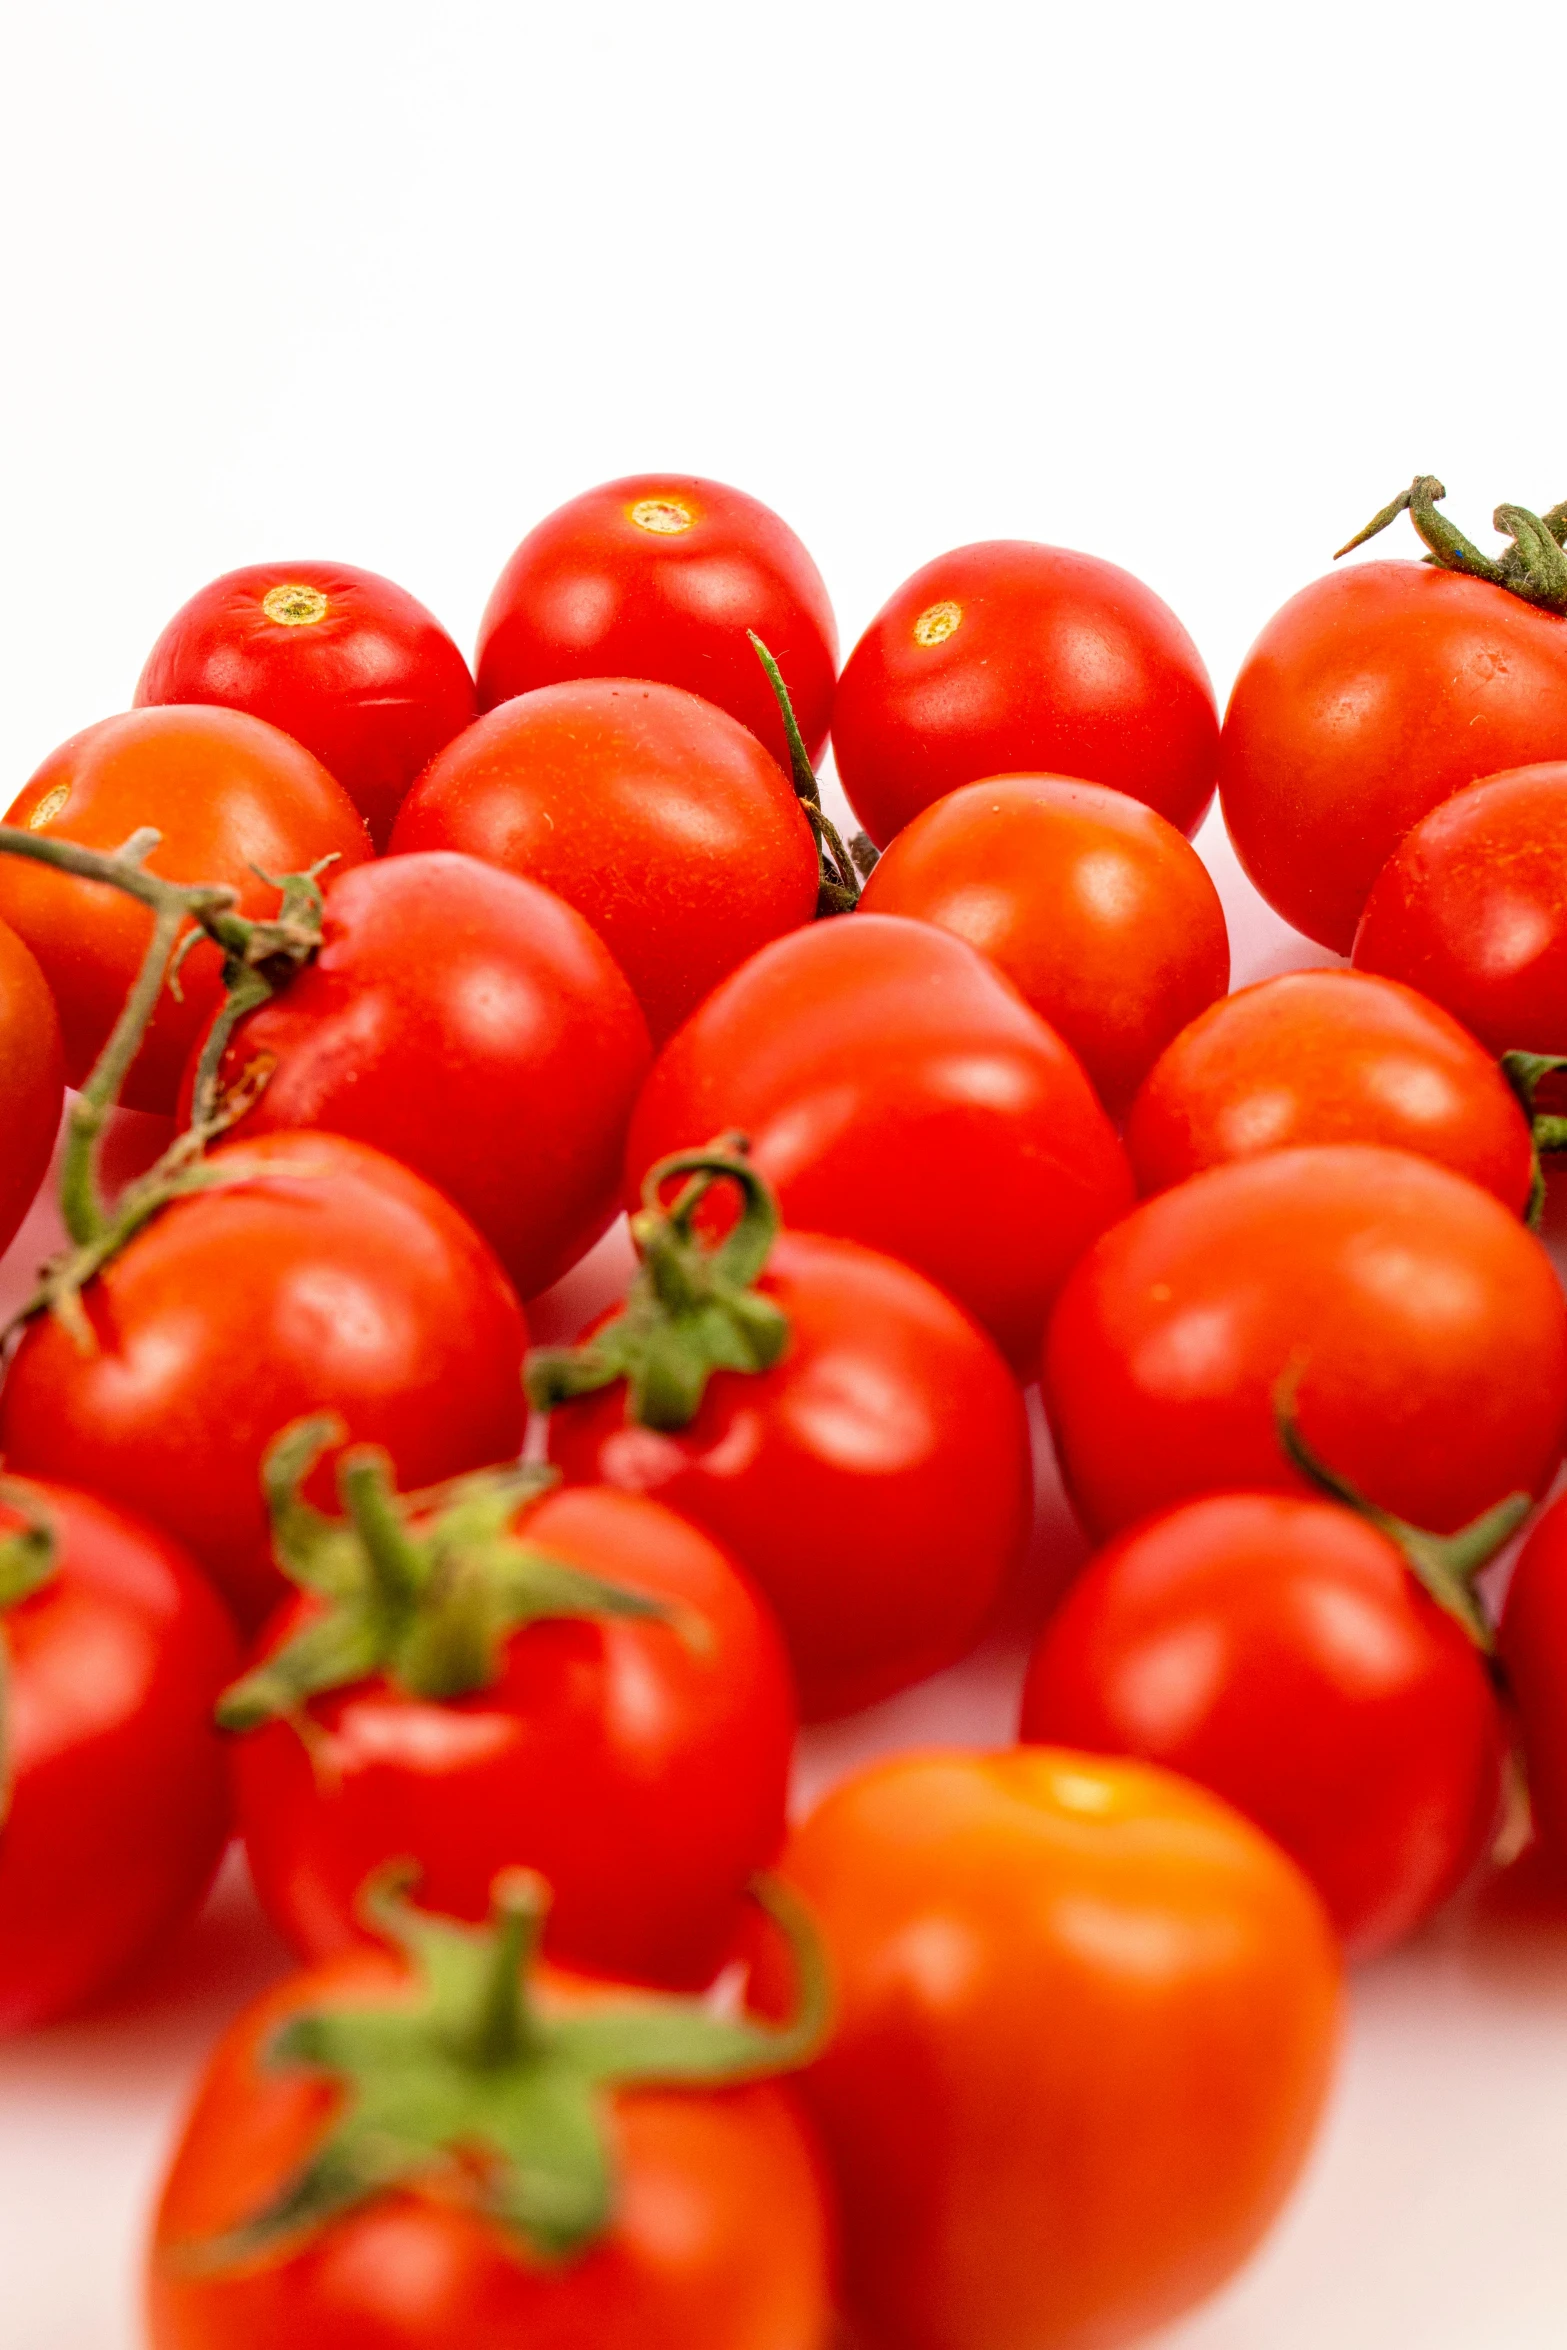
472,1026
119,1802
1471,907
1044,2136
897,1091
328,1279
1281,1652
1327,1057
643,1775
875,1482
228,793
1100,914
655,814
373,685
723,2237
1374,694
1425,1326
1532,1640
32,1080
590,593
1060,664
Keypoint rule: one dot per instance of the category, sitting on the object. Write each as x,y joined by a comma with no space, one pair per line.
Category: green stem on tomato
1533,567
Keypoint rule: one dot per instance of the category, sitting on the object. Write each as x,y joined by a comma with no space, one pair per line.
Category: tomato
1471,907
1372,696
561,2170
640,1762
658,816
32,1081
1323,1057
897,1091
1096,909
662,576
1008,658
1424,1326
472,1026
1280,1652
234,799
323,1276
1532,1638
110,1662
1086,2019
346,662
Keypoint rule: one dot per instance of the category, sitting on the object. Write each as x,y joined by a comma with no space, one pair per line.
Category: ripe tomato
1280,1652
1373,695
1471,907
1328,1056
897,1091
1008,658
1532,1638
661,575
32,1081
323,1277
346,662
229,794
1425,1326
472,1026
1086,2019
658,816
1096,909
118,1797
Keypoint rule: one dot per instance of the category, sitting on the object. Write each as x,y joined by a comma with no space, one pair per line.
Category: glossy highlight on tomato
32,1080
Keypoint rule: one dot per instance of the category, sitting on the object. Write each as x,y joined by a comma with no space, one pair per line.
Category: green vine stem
1525,1073
1533,567
839,892
27,1560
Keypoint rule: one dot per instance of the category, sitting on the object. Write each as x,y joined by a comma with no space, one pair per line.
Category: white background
1195,287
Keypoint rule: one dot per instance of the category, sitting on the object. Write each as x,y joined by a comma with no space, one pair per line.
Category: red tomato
32,1081
1532,1638
230,795
1425,1326
1373,695
1328,1056
661,575
659,817
897,1091
118,1794
345,661
323,1277
875,1481
474,1027
1094,907
1009,658
1086,2019
1281,1653
1471,907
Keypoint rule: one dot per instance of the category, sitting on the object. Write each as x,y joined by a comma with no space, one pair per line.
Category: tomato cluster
429,974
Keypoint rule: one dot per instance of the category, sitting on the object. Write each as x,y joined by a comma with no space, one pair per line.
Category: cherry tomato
346,662
118,1797
1372,696
658,816
1280,1652
1008,658
1532,1638
1096,909
32,1081
472,1026
662,576
897,1091
1321,1057
1471,907
1086,2018
323,1276
1423,1324
234,799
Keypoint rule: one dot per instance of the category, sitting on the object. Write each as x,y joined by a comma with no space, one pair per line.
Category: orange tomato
32,1080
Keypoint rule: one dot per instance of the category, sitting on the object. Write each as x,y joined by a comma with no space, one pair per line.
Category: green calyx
1525,1072
28,1557
423,1589
1445,1565
839,891
1533,567
479,2084
691,1309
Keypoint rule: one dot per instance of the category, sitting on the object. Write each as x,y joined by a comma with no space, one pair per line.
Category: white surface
1197,288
